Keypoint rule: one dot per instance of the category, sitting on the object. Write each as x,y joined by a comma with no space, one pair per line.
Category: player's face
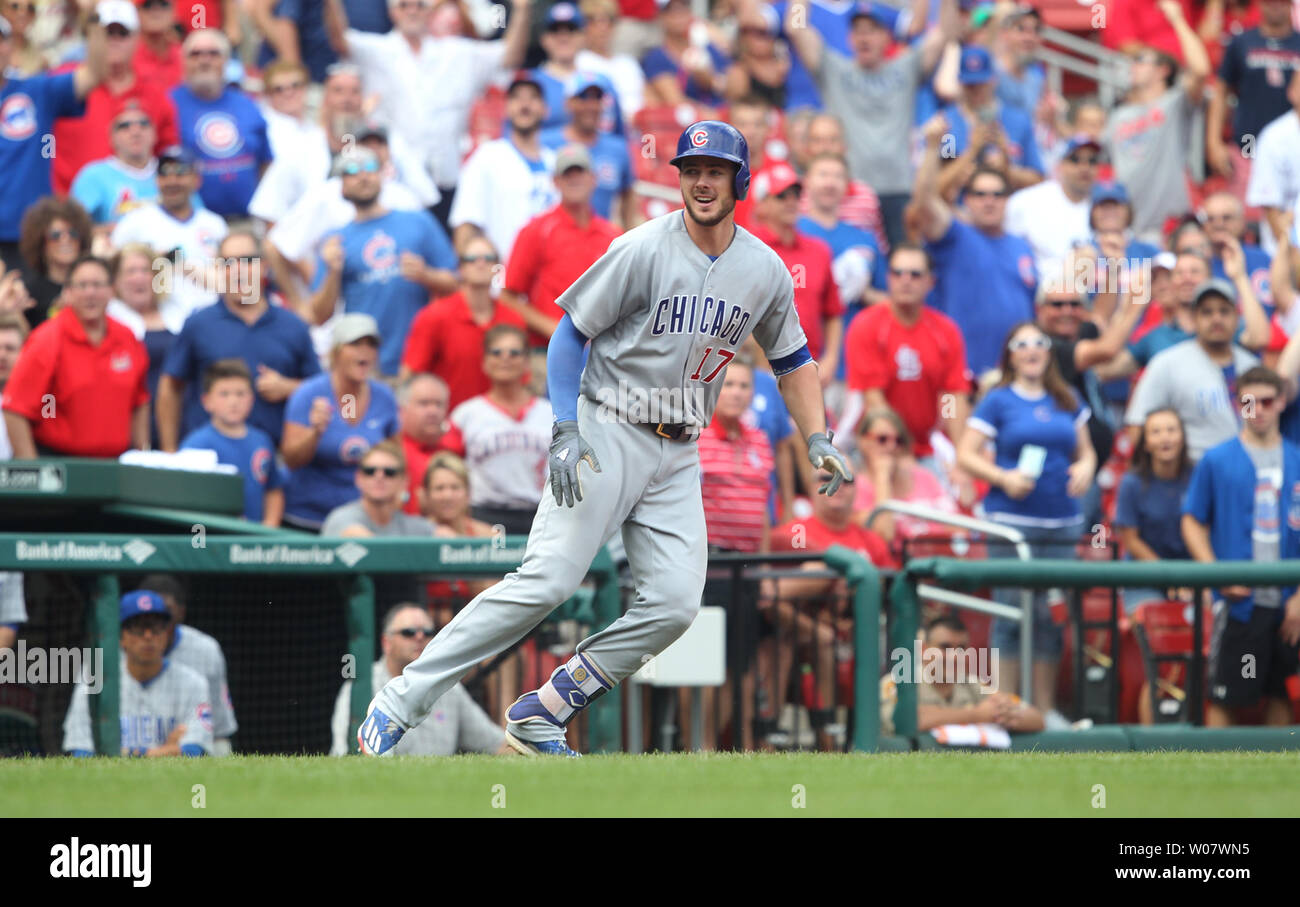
88,291
909,278
133,136
1261,407
506,362
10,343
826,183
986,199
1030,348
1163,437
381,478
737,392
1216,321
144,639
410,633
355,361
1060,314
229,401
708,189
446,497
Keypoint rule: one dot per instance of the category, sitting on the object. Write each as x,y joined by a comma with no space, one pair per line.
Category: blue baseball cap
142,601
564,14
873,11
976,65
1110,192
178,153
581,81
1080,141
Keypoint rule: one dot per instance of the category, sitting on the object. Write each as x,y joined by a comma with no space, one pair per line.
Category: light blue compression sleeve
565,357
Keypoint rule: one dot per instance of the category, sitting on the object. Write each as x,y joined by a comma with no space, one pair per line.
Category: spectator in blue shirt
561,40
330,423
385,264
1225,227
586,97
228,398
272,341
1112,212
1149,507
111,186
220,125
1243,503
1020,75
1043,465
985,278
979,104
28,108
680,71
769,413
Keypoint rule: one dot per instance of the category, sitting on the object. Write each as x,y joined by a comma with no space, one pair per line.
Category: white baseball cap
118,12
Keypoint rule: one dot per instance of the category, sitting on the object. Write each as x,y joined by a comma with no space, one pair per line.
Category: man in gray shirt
1197,377
456,723
1150,137
381,479
873,96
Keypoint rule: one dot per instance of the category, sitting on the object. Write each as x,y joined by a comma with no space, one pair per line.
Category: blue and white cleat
541,747
378,734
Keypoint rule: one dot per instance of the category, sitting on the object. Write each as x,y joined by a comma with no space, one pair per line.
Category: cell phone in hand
1032,458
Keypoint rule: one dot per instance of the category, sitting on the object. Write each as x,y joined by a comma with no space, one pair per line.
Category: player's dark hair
1261,374
1141,462
226,368
912,247
945,622
1053,383
497,331
165,585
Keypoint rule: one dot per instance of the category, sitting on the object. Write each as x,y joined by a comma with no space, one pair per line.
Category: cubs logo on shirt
353,448
380,252
17,117
260,465
204,713
217,134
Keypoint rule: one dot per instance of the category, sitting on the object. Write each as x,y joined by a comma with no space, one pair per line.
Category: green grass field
917,784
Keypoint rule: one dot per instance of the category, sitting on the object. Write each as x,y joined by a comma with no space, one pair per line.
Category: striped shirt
735,474
860,208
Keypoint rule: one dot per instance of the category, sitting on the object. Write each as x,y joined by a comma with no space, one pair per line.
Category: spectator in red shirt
84,139
158,55
423,404
446,337
907,356
79,386
777,191
554,249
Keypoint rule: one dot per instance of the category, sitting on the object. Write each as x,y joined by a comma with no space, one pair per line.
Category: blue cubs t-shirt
372,279
1012,421
851,248
555,92
1019,130
985,284
28,108
328,480
253,455
228,136
610,161
657,62
1257,267
1154,507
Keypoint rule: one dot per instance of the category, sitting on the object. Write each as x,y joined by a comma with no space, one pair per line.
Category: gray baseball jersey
148,712
456,724
201,652
664,320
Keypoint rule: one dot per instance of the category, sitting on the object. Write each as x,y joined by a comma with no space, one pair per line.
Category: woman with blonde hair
135,303
890,472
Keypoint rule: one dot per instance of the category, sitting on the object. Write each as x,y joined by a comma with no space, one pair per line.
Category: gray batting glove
825,456
567,451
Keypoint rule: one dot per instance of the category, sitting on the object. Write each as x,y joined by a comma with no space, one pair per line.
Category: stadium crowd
324,238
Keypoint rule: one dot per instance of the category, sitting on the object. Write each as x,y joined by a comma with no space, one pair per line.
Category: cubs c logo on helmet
700,138
714,138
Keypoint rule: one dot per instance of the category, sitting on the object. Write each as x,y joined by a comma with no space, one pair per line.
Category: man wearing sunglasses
381,482
1053,215
1243,503
31,106
110,187
1149,136
456,724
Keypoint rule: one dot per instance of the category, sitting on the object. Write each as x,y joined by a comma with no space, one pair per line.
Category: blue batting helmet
712,138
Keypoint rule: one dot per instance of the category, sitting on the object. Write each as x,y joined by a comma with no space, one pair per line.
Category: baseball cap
178,153
353,327
976,65
571,156
872,11
1021,12
581,81
1215,286
358,154
1081,140
133,604
774,179
1109,192
980,15
118,12
564,14
361,129
525,77
1164,261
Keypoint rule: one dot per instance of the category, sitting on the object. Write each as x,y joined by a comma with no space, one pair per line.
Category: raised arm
516,37
935,215
806,41
937,38
91,72
1196,62
1258,331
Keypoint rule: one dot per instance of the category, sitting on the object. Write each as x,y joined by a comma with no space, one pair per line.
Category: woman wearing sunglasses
890,472
1043,463
54,234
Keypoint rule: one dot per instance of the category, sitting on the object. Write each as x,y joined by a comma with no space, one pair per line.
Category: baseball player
164,709
664,310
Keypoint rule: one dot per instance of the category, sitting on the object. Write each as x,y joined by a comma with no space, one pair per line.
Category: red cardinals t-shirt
814,536
912,366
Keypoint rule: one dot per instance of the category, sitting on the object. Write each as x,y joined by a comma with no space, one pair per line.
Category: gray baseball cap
571,156
354,327
1215,286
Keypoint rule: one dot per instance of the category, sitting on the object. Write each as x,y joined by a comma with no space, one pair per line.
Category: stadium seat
486,118
1165,634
